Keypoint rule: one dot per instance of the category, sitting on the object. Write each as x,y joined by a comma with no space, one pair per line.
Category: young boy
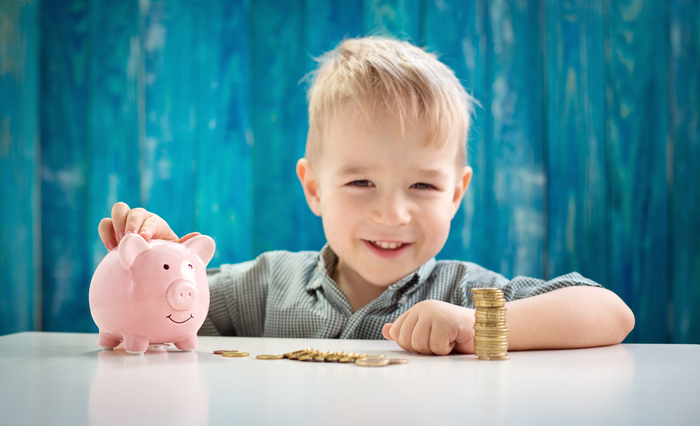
385,170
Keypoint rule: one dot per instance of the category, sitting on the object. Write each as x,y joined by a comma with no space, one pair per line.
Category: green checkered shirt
285,294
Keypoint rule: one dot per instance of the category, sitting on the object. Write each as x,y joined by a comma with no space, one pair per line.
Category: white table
65,379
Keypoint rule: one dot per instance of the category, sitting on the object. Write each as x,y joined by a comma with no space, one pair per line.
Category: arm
572,317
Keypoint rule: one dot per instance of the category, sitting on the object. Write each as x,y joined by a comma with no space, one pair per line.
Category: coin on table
269,356
304,357
496,358
235,354
221,351
372,362
398,361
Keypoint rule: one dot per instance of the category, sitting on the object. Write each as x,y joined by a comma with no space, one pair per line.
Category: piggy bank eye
166,267
189,266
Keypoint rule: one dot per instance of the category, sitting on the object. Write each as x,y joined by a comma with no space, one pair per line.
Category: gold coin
304,357
324,353
495,358
346,359
235,354
398,361
377,356
372,362
319,359
332,359
221,351
360,356
269,356
350,355
480,290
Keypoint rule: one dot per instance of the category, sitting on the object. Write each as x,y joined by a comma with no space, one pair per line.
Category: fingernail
121,235
143,232
129,232
110,245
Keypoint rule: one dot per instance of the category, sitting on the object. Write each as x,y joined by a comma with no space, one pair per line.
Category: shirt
291,294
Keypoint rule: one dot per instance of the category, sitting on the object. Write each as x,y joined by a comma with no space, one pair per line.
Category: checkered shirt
285,294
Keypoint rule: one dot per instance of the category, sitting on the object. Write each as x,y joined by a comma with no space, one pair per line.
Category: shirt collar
327,259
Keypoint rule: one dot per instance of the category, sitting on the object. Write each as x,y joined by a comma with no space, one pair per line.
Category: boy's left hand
433,327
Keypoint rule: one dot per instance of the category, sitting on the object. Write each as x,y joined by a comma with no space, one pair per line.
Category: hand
433,327
138,221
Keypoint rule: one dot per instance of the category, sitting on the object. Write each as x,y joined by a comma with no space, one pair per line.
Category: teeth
388,246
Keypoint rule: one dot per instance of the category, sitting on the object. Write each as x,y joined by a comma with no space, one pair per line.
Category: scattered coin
372,362
235,354
270,356
398,361
221,351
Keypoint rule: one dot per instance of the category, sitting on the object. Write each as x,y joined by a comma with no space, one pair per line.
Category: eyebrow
352,170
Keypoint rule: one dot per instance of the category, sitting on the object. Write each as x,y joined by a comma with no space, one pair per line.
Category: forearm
572,317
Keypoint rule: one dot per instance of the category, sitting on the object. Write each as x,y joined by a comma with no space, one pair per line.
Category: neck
359,291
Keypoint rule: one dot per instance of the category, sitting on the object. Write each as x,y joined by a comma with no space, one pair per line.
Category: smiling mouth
170,317
383,245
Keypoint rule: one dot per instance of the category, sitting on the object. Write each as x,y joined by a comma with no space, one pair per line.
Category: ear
203,246
309,185
461,188
130,248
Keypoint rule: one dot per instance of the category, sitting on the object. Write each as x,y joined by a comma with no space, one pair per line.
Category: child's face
386,199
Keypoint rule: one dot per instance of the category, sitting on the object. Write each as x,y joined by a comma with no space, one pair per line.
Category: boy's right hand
137,221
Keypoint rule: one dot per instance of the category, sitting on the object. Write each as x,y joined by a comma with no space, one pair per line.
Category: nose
182,295
392,210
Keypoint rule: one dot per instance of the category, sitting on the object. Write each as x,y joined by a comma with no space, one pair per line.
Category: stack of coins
490,331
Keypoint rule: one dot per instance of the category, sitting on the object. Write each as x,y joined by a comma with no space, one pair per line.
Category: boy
385,170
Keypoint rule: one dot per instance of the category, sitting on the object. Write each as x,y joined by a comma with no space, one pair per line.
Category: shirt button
317,282
403,300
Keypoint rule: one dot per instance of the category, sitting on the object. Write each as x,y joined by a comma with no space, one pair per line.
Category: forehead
352,141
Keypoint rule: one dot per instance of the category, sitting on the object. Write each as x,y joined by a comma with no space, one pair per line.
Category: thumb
188,236
385,331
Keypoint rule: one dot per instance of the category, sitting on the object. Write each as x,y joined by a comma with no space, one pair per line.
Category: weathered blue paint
65,47
223,135
685,200
575,139
19,195
638,131
194,110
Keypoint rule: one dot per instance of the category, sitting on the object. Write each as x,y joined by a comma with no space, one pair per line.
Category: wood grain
685,202
19,183
638,132
575,124
65,41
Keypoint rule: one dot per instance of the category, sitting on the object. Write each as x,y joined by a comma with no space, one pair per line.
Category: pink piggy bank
152,292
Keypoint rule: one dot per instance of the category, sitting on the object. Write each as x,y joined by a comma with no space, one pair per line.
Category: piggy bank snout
182,295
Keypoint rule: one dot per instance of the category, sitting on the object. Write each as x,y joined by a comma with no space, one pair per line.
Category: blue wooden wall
586,150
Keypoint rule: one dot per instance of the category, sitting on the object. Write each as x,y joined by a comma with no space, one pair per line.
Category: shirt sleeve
238,296
523,287
517,288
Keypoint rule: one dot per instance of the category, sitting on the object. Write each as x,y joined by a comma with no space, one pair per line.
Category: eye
166,266
422,185
189,266
364,183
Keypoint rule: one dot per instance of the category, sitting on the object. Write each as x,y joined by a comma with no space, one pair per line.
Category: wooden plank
112,139
458,32
515,78
397,18
64,109
326,24
685,107
575,117
223,128
165,134
637,128
278,108
19,192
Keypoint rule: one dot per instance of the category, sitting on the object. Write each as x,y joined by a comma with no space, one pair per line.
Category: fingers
188,236
405,333
439,341
120,211
106,231
135,220
385,330
155,227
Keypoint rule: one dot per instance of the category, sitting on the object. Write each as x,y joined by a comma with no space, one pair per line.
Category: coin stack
490,331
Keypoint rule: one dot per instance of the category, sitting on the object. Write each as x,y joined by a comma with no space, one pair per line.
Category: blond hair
378,74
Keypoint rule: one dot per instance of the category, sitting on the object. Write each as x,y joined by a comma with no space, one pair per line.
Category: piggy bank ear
202,245
130,247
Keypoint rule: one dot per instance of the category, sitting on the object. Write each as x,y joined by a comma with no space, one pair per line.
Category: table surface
65,379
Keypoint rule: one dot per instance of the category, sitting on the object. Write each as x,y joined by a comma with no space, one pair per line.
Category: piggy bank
146,293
